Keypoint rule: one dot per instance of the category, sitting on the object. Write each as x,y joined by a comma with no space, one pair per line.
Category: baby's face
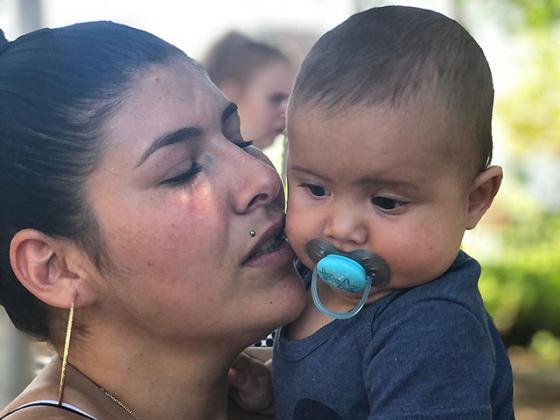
377,178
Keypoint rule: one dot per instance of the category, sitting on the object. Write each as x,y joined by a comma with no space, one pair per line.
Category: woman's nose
255,182
345,229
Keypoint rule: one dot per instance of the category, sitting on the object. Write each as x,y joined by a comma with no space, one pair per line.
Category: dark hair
391,55
237,58
57,87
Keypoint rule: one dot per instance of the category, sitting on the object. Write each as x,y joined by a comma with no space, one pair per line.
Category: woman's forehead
164,98
173,89
177,79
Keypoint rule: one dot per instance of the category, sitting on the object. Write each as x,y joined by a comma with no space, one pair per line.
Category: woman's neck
157,380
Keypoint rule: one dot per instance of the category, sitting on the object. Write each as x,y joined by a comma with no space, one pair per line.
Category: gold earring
66,349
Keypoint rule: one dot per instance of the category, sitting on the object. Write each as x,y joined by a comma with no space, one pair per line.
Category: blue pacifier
351,272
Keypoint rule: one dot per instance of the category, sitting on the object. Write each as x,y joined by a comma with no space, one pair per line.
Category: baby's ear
483,190
49,268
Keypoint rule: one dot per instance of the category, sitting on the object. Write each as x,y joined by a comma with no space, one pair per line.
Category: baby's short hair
394,54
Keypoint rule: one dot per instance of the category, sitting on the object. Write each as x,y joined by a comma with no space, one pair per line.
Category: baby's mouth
353,272
376,267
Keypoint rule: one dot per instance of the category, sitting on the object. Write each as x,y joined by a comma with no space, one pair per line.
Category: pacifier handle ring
333,314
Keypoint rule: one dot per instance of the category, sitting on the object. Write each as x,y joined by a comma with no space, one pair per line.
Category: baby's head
389,128
258,78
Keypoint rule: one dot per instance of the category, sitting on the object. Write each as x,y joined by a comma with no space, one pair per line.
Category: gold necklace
107,394
118,402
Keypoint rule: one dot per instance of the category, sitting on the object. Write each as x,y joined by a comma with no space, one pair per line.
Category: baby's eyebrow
388,183
308,172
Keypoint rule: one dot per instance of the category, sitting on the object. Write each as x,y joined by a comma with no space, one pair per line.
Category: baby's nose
346,231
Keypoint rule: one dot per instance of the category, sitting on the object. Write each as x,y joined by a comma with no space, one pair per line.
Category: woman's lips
275,252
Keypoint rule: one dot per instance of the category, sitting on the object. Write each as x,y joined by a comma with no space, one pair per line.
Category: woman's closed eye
315,190
387,204
190,174
184,177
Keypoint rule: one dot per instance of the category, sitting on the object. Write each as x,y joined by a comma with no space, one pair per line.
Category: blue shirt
429,352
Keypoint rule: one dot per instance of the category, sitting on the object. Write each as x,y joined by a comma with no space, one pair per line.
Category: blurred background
518,242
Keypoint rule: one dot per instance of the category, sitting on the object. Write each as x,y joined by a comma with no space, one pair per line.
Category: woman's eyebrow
182,134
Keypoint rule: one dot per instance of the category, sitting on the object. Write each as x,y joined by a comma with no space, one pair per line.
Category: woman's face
176,196
262,105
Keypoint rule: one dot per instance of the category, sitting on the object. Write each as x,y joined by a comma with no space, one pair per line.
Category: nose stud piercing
253,233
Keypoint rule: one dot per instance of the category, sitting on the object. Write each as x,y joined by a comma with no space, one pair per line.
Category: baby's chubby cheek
297,239
291,233
410,270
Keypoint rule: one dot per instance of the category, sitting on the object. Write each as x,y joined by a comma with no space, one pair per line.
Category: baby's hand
251,384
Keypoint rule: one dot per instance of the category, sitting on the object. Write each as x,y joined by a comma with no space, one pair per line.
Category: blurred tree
521,286
532,14
532,112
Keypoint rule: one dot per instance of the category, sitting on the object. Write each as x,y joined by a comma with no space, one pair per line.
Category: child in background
258,78
389,128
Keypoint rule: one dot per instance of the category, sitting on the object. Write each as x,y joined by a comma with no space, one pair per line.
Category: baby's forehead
414,130
423,114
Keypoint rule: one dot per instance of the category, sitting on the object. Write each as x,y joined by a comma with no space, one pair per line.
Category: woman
258,78
136,221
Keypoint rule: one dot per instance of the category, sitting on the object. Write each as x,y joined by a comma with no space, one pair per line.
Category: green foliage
529,14
532,111
547,347
522,289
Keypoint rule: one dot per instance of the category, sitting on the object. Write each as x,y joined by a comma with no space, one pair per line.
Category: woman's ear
482,193
50,268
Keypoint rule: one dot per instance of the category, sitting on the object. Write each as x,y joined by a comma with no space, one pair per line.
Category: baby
389,128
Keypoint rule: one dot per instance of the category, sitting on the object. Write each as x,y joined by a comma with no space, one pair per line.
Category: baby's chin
397,282
376,295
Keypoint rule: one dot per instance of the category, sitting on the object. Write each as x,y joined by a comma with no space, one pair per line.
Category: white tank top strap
51,403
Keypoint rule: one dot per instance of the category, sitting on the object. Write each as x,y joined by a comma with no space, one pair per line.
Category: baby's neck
312,320
309,322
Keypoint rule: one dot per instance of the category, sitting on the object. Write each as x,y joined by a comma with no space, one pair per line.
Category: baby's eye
386,203
315,190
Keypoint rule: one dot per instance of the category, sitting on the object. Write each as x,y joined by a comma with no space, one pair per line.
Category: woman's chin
290,304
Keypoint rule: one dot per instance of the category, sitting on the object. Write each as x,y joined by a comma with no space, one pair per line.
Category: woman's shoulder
39,399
